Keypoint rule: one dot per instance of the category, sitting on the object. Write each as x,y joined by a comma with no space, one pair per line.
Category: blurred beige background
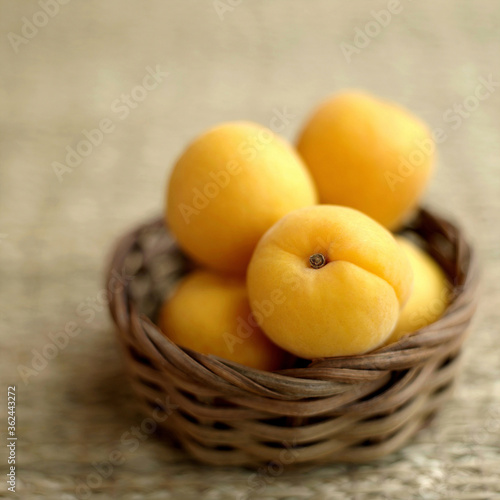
66,71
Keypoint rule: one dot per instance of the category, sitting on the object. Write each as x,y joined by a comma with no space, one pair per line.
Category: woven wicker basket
351,409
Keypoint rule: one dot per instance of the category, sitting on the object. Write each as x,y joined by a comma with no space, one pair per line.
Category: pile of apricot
294,247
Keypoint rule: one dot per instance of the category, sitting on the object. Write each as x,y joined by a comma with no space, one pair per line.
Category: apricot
429,297
368,154
328,281
228,187
210,313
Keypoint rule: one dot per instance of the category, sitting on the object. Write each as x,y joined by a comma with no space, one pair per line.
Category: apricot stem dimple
317,261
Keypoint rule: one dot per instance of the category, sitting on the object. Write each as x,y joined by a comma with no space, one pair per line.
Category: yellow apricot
368,154
209,313
228,187
429,297
328,281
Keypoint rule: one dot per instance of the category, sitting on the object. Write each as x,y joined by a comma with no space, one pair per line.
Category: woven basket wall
351,409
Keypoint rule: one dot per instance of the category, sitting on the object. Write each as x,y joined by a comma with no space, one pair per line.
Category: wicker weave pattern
352,409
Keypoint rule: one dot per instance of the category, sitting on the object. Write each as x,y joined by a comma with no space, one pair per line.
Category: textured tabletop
68,68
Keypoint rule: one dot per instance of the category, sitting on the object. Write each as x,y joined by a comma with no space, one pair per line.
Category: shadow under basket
349,409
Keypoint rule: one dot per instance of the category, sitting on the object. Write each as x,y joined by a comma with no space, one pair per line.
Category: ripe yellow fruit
209,313
368,154
429,297
228,187
328,281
